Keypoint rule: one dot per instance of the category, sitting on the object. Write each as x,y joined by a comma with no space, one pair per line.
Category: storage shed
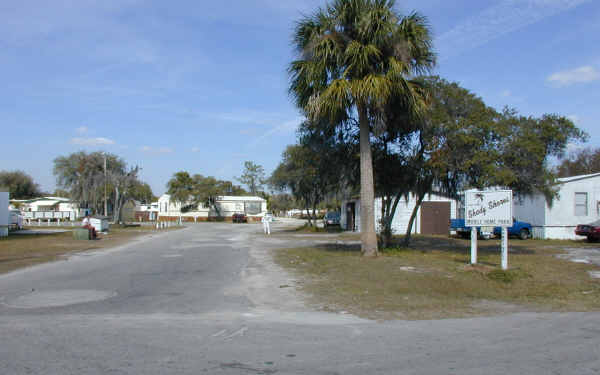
4,214
578,202
100,223
433,217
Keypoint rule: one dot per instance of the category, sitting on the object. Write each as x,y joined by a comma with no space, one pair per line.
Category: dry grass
433,279
23,250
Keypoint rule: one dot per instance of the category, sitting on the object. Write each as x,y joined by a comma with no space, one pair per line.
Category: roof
46,202
224,198
52,199
577,178
99,217
240,198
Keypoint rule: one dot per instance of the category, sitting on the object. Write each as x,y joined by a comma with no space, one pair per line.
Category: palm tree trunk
368,236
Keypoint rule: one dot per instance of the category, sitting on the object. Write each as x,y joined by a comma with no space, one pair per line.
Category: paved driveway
207,300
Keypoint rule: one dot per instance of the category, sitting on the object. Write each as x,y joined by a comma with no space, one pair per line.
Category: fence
49,215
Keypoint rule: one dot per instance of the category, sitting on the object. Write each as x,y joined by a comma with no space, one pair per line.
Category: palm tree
355,58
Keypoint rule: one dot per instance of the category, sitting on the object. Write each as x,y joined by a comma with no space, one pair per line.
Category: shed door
435,218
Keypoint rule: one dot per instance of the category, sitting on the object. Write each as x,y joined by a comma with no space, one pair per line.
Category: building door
435,218
350,216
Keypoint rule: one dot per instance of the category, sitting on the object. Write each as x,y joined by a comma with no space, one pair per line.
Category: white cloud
285,127
583,74
81,130
500,19
99,141
195,149
253,117
506,93
156,150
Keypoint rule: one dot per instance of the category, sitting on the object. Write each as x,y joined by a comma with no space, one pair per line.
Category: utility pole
105,202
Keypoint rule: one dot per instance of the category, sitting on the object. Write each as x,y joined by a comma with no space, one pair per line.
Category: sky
202,86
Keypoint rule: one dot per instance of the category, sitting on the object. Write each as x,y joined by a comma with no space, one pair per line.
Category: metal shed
100,223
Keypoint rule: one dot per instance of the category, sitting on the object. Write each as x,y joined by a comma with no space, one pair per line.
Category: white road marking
220,333
239,332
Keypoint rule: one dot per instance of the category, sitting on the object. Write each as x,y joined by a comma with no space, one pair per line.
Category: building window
252,208
581,204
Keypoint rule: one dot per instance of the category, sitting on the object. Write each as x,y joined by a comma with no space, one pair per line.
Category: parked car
591,231
519,228
458,225
331,218
239,218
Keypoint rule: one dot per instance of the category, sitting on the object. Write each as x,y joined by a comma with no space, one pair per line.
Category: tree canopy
191,191
83,176
19,185
584,161
253,177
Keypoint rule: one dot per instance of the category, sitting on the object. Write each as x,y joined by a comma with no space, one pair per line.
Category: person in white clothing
266,226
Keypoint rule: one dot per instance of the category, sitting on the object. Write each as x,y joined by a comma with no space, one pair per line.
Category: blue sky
202,86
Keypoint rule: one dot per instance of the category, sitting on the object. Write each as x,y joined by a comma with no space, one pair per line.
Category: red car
239,218
591,231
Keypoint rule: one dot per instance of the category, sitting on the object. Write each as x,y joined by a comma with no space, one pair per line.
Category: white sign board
488,208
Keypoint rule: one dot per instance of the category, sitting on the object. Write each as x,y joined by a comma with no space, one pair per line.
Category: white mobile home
49,208
433,217
252,207
4,214
578,202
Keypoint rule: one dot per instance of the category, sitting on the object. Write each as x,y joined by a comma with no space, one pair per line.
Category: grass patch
433,279
23,250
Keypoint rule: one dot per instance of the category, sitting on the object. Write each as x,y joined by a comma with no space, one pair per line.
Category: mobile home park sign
488,208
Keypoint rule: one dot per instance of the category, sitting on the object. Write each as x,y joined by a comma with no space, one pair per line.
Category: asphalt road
208,300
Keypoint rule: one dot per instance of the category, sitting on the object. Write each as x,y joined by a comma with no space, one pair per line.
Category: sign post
473,245
504,248
489,208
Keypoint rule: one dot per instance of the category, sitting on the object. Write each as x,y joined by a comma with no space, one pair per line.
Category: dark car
591,231
331,218
239,218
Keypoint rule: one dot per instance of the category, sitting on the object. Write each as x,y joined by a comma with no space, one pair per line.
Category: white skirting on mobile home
578,202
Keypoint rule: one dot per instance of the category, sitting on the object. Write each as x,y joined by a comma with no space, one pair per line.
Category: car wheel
524,234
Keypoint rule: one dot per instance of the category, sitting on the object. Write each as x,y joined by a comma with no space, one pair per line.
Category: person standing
266,224
87,225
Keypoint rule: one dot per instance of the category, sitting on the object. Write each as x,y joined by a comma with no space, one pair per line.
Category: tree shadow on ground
458,245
